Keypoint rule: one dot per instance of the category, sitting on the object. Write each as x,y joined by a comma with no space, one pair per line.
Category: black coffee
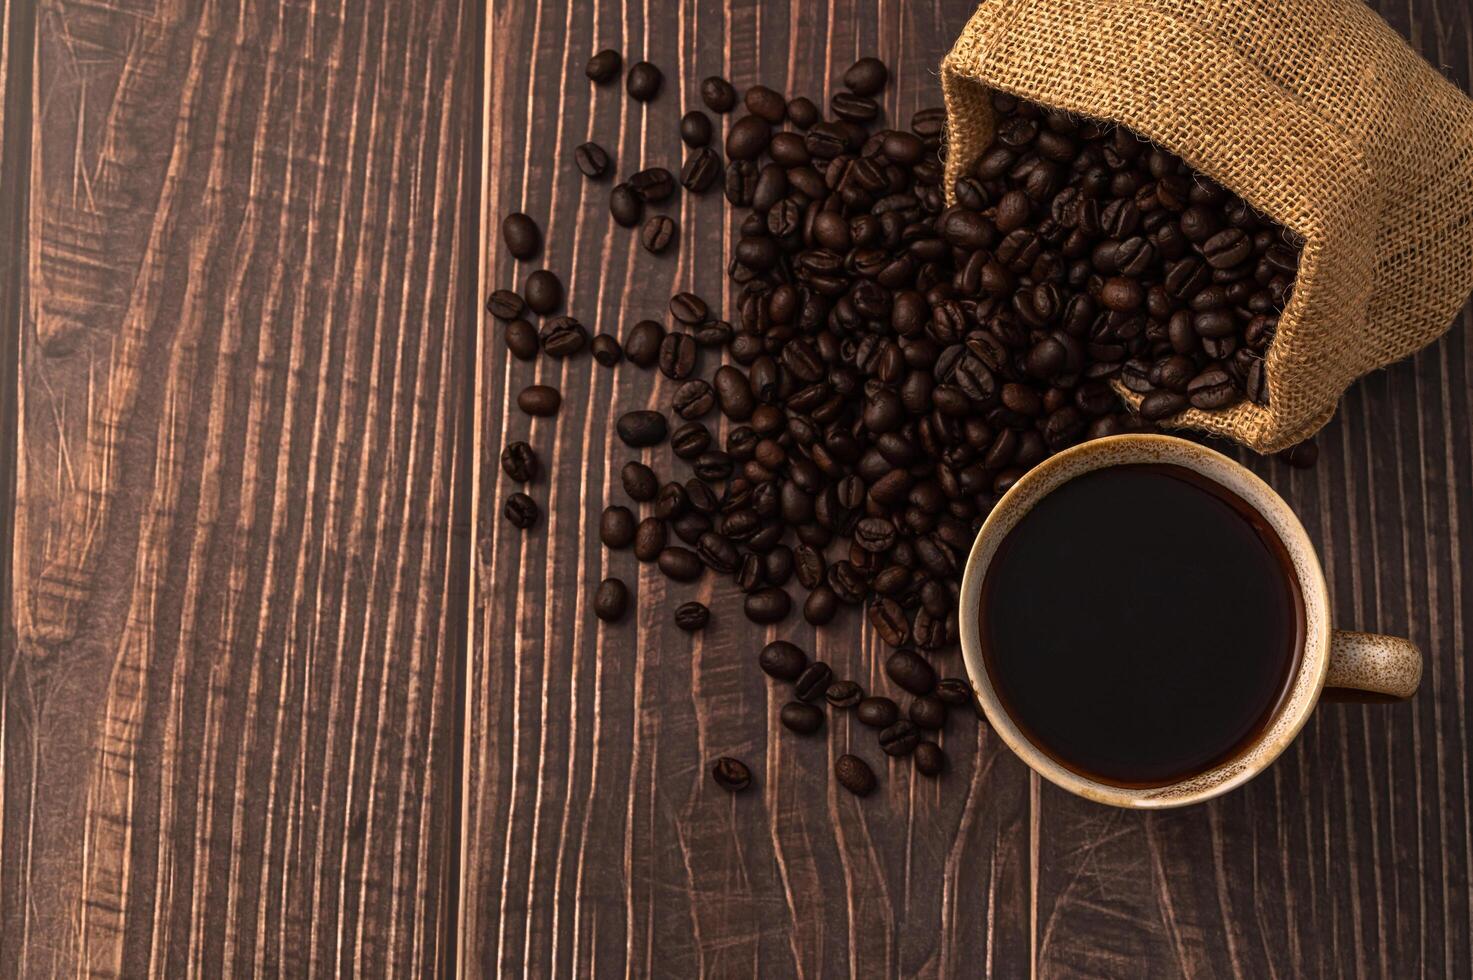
1140,624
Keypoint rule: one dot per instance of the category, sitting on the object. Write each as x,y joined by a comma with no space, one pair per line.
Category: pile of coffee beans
893,364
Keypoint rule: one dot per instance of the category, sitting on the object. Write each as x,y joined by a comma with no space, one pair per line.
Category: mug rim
1297,702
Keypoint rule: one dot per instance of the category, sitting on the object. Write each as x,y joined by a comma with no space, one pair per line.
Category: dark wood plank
240,529
596,841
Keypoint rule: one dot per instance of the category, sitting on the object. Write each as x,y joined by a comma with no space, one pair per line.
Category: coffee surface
1140,624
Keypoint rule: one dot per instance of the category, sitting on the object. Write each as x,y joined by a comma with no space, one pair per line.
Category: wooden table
282,692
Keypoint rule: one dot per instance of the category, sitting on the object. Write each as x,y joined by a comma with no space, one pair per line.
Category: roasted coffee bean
877,712
702,169
611,600
563,336
690,440
821,606
802,718
1301,455
521,340
606,350
519,462
653,185
768,605
747,138
695,128
731,774
643,81
688,308
867,76
844,694
504,304
930,760
875,534
522,236
677,357
649,539
782,660
520,510
539,400
954,690
1213,388
740,182
719,553
692,616
1161,404
681,564
889,621
671,501
910,671
641,428
899,739
657,234
718,94
642,345
809,566
712,333
604,66
854,774
853,108
764,102
640,482
592,160
1227,248
712,466
928,712
749,576
693,399
802,113
734,392
625,205
616,527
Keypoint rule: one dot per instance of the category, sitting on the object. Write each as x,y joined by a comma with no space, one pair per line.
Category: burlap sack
1314,111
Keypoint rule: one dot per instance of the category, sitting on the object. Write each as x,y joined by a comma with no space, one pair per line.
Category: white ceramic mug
1376,665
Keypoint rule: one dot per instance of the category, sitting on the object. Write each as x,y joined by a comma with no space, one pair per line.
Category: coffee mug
1376,666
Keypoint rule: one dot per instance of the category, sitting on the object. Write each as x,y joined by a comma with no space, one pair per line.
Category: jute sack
1314,111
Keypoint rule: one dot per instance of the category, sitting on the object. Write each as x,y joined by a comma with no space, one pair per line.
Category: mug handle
1384,665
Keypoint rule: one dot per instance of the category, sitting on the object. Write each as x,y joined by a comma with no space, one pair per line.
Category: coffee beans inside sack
1314,112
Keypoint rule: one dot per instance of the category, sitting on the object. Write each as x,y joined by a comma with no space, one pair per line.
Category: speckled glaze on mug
1378,665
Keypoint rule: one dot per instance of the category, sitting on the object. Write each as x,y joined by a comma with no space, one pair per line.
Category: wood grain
240,520
595,842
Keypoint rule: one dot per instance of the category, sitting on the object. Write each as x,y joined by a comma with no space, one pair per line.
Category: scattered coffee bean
649,539
844,694
563,336
688,308
695,128
910,671
692,616
702,169
639,481
592,160
821,606
767,605
899,739
505,304
606,350
782,660
1301,455
522,236
625,205
747,138
641,428
731,775
521,340
802,718
677,355
539,400
642,346
929,759
519,462
521,510
693,399
690,440
611,600
954,690
616,527
877,711
867,76
814,682
765,103
928,712
802,112
643,81
855,775
718,94
604,66
681,564
653,185
657,234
